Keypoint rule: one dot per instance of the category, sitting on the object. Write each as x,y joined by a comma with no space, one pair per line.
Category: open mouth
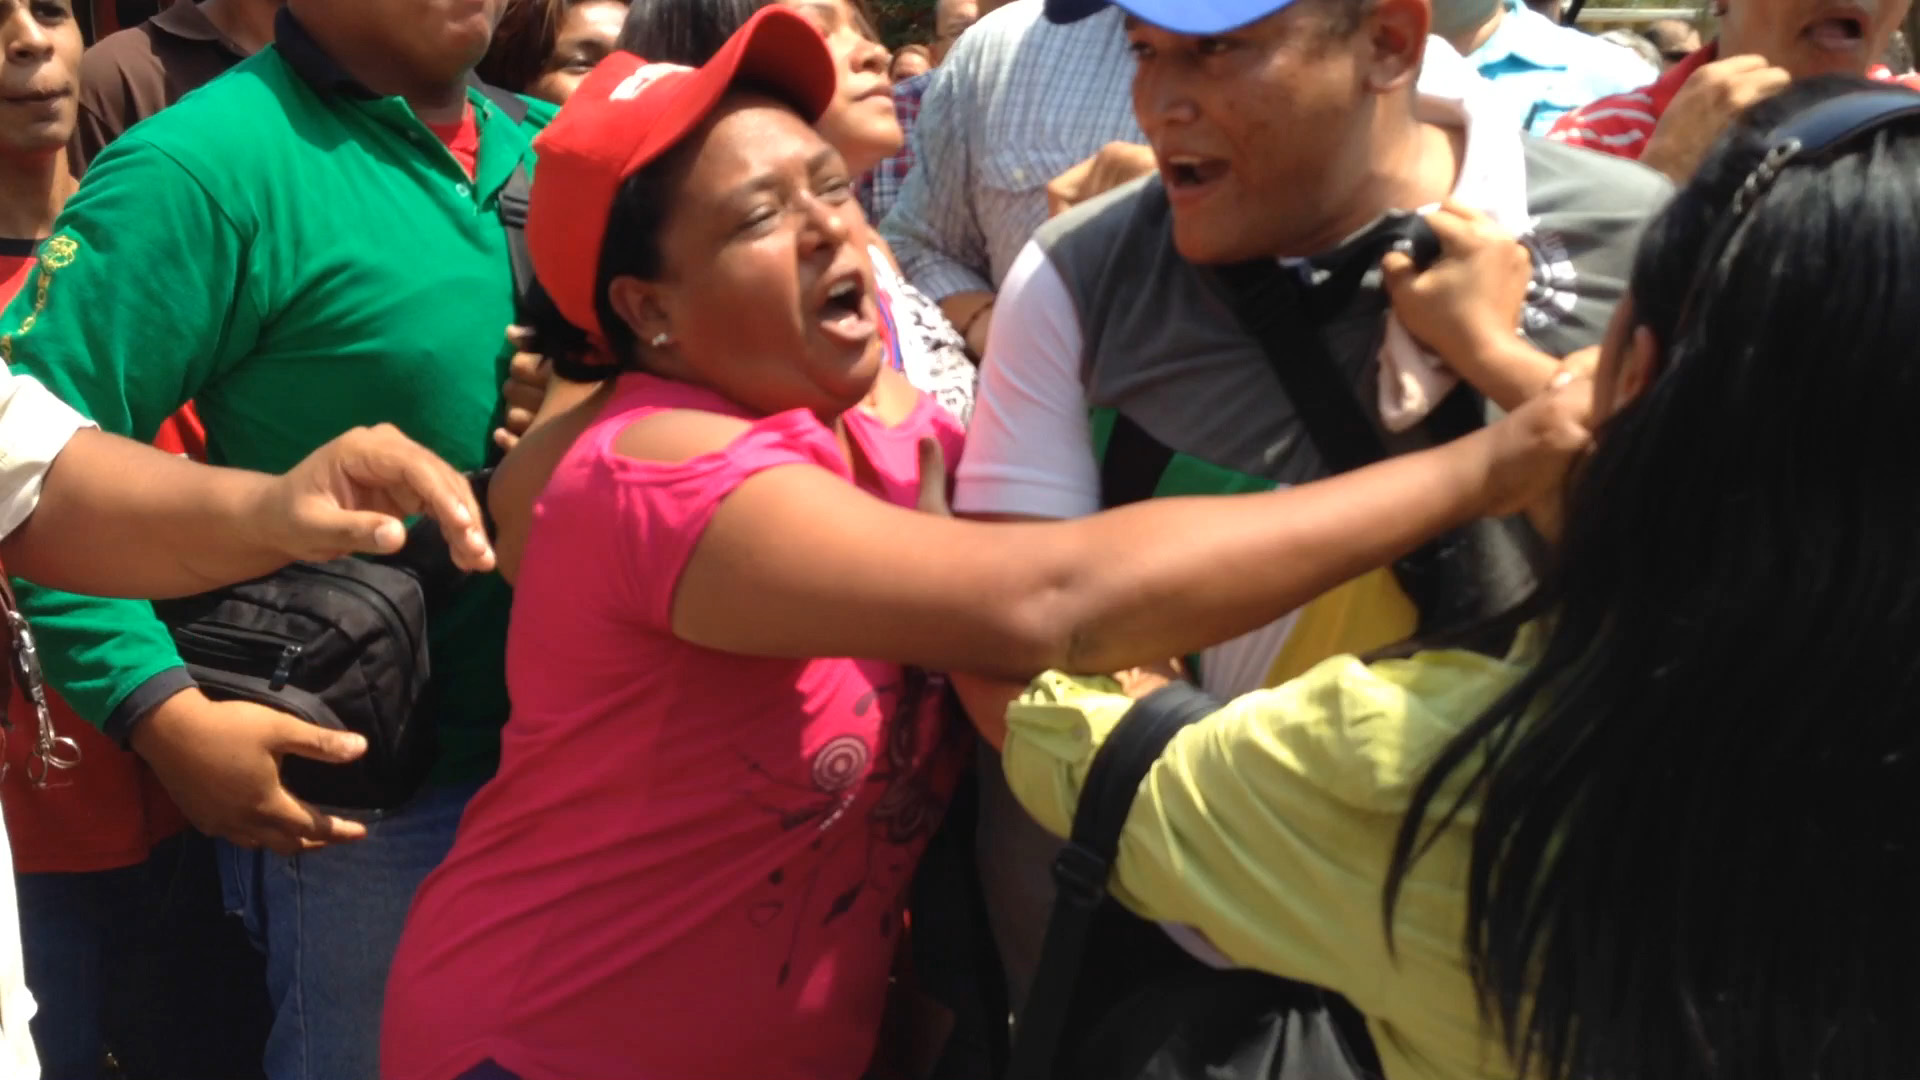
1844,32
1188,176
846,313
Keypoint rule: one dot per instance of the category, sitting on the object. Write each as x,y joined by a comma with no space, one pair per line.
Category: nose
26,40
1160,99
869,56
825,224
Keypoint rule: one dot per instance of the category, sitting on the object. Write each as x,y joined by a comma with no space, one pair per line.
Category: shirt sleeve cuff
34,427
943,277
145,698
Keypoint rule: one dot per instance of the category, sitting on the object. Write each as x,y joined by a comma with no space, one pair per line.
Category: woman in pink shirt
691,864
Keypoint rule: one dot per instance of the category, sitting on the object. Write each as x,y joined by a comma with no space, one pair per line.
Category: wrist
256,510
1470,478
973,329
154,731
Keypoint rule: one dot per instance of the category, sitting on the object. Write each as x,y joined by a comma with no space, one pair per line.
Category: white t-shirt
34,427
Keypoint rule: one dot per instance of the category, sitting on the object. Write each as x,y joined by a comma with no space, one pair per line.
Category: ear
639,304
1638,366
1396,39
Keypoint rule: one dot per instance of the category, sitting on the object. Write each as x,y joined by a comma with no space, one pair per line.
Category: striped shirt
1622,124
1018,102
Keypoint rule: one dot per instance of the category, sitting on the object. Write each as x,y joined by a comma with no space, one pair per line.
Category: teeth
841,291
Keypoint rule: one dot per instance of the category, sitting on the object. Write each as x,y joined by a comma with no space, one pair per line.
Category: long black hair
1696,838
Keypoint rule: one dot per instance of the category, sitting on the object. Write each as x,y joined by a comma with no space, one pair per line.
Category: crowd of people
828,449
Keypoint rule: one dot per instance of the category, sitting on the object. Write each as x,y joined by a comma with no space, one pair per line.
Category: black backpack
344,644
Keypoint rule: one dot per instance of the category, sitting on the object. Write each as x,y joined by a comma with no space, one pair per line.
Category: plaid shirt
1621,124
880,189
1018,102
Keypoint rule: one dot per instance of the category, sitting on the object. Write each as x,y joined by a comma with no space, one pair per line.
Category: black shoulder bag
1137,1007
1462,579
343,644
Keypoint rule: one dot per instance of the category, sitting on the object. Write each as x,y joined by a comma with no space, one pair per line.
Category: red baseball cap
627,113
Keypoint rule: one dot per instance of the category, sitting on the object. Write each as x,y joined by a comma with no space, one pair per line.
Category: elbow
1045,632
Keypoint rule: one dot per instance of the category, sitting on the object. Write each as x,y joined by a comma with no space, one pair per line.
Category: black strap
1285,314
514,200
1131,468
1271,303
1085,864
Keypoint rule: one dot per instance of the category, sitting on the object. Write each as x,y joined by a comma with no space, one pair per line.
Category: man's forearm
117,518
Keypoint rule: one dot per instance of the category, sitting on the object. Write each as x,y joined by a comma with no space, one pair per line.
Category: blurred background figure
1898,59
543,48
131,74
951,18
1545,68
910,61
1639,46
1676,39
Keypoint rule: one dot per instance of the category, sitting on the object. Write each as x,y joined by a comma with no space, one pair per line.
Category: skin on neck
433,101
1467,41
246,23
1413,164
33,188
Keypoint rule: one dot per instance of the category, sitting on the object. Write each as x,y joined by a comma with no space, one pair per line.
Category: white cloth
34,427
1493,180
933,355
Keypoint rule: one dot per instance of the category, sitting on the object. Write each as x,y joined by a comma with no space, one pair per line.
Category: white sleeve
34,427
1030,449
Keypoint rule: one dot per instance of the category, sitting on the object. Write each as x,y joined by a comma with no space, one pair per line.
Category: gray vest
1164,353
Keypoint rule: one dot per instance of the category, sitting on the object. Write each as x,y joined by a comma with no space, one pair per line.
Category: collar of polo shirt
311,62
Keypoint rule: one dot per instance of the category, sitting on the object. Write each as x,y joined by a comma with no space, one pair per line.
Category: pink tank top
692,864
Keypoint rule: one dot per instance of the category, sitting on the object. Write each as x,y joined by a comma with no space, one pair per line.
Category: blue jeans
329,922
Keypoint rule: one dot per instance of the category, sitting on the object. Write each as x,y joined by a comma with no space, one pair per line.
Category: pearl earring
660,341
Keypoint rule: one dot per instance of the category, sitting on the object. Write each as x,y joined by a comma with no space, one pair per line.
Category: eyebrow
769,180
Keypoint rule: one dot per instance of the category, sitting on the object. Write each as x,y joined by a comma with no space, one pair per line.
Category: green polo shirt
296,257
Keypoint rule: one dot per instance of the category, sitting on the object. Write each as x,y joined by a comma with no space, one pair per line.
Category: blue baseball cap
1179,16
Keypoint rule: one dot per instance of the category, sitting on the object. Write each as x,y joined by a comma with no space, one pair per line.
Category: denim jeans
329,922
140,959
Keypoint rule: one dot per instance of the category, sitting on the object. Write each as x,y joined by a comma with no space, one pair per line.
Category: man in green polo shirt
307,244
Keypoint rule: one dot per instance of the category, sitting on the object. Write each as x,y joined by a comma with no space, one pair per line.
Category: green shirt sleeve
137,302
1269,825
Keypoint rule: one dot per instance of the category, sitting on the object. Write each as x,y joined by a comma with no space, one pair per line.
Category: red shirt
110,811
1621,124
462,140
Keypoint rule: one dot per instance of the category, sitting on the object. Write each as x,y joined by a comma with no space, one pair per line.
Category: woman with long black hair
1673,835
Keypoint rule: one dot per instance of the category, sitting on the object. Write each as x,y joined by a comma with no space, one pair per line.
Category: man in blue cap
1290,140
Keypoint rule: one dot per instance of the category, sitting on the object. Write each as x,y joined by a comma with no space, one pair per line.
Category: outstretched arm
795,562
117,518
